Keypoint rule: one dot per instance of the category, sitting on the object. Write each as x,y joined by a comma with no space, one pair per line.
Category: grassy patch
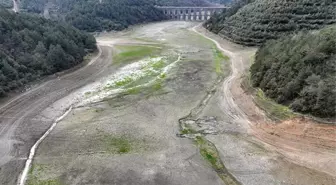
149,72
210,156
134,90
120,145
123,82
163,75
219,58
188,130
157,85
209,152
123,144
272,108
158,65
200,38
35,171
200,140
36,181
147,90
134,52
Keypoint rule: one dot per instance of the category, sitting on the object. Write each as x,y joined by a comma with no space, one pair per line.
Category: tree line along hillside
112,15
96,15
300,71
255,21
32,47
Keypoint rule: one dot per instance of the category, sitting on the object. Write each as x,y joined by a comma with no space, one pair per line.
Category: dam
191,13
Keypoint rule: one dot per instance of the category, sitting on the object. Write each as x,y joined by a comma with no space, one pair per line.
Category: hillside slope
93,15
299,71
31,47
261,20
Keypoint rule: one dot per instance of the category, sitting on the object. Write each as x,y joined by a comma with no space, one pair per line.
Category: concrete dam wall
191,13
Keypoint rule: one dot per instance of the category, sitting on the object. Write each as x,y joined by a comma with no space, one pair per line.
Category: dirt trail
229,105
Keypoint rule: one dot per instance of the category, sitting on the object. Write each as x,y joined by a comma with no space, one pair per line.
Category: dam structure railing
191,13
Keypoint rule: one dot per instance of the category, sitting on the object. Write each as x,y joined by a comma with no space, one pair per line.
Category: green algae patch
272,109
123,81
158,65
145,77
209,152
148,70
133,52
113,144
120,145
187,131
35,181
157,86
219,59
134,90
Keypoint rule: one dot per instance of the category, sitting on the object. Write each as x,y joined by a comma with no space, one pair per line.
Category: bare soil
130,137
300,140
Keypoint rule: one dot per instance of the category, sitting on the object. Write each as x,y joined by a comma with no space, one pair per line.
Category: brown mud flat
301,140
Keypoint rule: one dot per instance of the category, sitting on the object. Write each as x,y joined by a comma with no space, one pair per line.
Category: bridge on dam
191,13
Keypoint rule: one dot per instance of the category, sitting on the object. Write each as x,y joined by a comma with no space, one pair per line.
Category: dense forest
252,22
300,71
32,47
93,15
112,15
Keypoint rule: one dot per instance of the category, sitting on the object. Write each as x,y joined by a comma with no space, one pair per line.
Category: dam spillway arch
191,13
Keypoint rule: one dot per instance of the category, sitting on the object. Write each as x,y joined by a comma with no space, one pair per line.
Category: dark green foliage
216,22
252,22
91,15
112,15
6,3
300,71
31,47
